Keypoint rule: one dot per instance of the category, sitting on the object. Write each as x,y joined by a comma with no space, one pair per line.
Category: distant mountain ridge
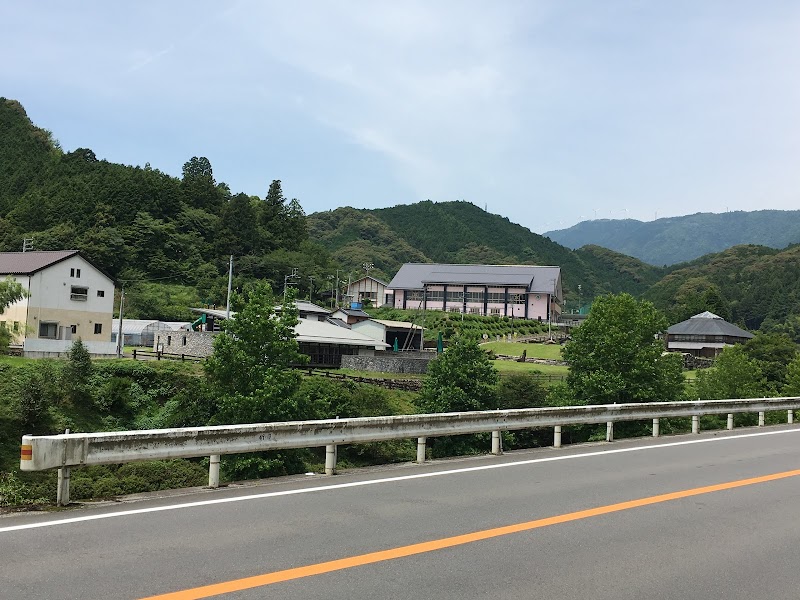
675,240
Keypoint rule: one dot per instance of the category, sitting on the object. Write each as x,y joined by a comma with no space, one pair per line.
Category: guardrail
115,447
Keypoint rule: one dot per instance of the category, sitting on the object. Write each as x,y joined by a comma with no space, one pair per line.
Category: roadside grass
545,351
15,360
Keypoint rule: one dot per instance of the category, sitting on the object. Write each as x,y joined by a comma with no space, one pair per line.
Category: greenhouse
142,332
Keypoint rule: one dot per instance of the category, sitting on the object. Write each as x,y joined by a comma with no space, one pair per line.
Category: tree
11,291
616,356
792,386
772,352
75,376
251,367
733,375
460,379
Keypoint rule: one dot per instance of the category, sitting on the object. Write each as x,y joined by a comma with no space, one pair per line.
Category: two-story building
67,298
521,291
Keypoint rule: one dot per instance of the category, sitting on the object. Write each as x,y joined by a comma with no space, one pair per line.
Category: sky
545,112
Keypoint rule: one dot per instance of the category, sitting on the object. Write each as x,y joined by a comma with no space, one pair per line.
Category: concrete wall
35,348
390,362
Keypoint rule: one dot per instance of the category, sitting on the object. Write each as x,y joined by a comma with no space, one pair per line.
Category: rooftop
707,323
413,276
27,263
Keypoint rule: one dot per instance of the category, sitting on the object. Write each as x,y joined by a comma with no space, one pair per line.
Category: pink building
521,291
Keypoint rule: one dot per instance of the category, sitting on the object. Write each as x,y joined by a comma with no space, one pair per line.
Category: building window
495,311
48,331
73,328
72,272
454,309
435,295
413,294
101,293
77,273
516,298
474,311
497,298
456,296
16,326
98,328
169,340
475,297
184,340
79,293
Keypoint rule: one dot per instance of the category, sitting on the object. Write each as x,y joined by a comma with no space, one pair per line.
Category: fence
78,449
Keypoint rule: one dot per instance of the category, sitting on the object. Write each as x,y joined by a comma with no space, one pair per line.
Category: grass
509,366
545,351
15,360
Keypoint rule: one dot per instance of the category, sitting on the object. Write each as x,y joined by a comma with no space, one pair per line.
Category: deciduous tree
616,356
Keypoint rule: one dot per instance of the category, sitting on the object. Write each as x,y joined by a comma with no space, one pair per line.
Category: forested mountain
679,239
460,232
755,286
168,239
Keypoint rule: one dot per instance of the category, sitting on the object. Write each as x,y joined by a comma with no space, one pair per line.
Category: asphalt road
621,538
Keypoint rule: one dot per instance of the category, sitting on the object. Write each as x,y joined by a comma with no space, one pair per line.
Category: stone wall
390,362
190,343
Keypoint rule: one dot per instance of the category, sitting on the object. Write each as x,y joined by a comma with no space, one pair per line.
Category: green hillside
460,232
755,286
679,239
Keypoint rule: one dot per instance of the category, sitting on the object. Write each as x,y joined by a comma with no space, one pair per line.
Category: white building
367,290
68,298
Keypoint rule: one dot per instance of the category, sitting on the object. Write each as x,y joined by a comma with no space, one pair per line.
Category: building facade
519,291
367,291
68,298
704,335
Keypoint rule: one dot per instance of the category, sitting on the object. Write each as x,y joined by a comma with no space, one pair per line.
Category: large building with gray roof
520,291
704,335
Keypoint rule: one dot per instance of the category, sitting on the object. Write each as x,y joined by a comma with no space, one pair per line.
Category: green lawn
548,351
14,360
509,366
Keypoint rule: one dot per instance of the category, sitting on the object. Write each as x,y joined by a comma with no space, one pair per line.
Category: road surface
707,516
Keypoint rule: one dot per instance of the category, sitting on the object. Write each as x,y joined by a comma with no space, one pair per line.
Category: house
367,291
704,335
403,335
350,315
68,298
520,291
323,342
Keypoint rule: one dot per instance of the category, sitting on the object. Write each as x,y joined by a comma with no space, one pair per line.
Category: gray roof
412,276
27,263
707,323
353,312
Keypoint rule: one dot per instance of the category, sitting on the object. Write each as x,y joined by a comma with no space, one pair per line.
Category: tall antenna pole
230,282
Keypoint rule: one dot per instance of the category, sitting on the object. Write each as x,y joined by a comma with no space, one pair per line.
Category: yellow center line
246,583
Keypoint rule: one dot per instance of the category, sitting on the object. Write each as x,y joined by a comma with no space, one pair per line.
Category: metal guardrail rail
116,447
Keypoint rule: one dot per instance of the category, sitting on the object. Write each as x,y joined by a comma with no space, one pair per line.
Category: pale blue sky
546,112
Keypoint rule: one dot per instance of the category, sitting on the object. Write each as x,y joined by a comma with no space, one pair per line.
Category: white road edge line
339,486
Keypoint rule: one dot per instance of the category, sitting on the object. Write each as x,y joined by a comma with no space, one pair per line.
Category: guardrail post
695,424
790,416
730,421
62,492
557,437
656,428
330,459
761,419
610,431
421,443
497,443
213,471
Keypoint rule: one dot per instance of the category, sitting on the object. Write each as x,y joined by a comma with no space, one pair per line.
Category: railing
153,355
115,447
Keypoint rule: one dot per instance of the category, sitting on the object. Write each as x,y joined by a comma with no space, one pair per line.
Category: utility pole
230,281
286,278
310,288
337,288
119,330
